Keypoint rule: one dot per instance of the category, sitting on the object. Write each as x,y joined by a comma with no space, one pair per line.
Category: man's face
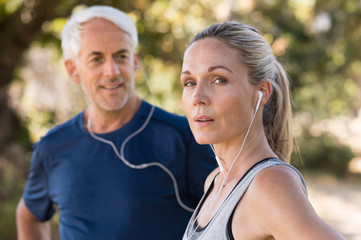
106,65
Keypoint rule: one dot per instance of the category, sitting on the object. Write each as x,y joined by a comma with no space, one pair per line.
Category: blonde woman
236,98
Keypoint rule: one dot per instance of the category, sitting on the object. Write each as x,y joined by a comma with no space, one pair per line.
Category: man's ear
136,61
71,69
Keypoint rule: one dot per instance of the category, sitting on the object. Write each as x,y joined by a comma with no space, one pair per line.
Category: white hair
71,34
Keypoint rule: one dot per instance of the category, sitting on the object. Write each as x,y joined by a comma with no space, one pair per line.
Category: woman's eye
220,80
188,84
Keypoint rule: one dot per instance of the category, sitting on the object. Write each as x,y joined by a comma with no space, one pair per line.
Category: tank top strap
217,227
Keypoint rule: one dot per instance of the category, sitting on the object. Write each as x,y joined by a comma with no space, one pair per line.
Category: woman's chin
203,140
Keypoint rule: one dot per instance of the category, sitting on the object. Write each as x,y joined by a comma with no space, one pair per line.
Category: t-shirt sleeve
36,192
201,163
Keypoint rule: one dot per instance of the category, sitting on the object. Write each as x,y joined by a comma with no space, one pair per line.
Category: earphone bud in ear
260,95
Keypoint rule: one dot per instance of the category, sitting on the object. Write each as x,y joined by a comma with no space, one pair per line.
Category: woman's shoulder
274,186
267,202
275,196
277,179
276,204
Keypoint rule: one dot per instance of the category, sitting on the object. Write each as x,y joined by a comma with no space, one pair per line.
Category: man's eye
120,57
95,59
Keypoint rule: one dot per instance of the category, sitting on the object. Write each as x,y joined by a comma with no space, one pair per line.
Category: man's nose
111,69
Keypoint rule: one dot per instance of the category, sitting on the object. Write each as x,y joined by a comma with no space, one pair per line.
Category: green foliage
13,171
7,220
324,153
321,46
8,7
322,60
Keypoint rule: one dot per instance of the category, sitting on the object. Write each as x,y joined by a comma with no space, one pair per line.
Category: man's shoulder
173,120
63,130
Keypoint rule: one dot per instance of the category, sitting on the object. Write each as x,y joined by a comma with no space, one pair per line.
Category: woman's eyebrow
210,69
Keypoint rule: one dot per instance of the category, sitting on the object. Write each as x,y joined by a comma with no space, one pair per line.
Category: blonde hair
257,55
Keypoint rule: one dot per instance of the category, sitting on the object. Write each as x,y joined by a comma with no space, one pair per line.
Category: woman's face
218,99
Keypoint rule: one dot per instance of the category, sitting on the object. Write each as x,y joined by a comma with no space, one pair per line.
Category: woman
236,98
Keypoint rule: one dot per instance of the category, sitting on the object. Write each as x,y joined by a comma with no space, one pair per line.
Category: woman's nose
201,95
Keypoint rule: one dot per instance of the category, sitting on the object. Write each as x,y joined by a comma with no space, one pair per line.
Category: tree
318,42
17,31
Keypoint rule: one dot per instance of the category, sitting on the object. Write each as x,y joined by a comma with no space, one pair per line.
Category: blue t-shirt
99,197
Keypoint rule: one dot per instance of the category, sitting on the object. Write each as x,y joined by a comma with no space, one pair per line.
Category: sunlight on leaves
12,5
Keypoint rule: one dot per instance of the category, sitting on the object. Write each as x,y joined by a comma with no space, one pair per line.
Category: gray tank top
217,228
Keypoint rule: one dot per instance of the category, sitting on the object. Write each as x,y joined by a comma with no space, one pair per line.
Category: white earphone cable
222,170
120,154
244,140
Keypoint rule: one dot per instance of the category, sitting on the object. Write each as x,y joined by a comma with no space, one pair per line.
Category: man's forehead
99,26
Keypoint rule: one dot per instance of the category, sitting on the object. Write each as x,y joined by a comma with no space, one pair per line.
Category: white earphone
260,95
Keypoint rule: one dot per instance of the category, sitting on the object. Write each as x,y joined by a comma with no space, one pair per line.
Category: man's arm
28,226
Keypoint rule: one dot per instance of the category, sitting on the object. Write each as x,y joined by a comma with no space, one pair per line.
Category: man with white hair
122,168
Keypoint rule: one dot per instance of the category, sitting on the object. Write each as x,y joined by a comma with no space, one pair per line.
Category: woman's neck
237,160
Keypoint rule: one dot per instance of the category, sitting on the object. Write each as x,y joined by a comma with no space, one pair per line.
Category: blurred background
317,41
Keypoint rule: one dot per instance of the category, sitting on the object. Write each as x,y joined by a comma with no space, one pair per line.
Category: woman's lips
203,120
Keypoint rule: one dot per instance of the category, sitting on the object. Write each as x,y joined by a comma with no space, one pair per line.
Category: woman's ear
266,89
71,69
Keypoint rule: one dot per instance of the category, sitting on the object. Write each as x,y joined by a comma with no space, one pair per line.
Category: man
122,169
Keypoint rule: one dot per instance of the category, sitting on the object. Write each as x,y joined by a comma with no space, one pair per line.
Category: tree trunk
17,31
